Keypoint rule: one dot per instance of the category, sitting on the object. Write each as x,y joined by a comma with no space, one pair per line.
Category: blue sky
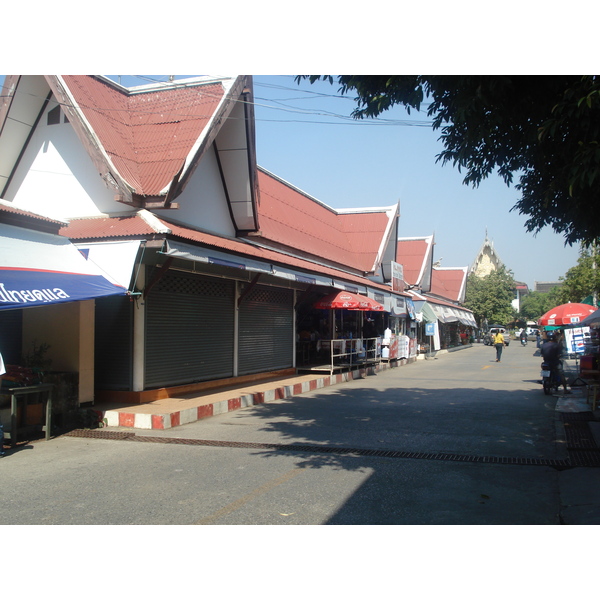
305,136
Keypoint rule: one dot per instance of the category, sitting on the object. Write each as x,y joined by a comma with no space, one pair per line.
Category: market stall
352,341
577,326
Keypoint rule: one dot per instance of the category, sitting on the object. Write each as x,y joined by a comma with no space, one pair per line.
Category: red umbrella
566,314
348,301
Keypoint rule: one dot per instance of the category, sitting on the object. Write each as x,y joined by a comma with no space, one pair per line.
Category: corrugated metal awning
353,288
293,275
214,257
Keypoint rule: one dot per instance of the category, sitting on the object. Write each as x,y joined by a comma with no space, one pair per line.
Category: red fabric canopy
566,314
348,301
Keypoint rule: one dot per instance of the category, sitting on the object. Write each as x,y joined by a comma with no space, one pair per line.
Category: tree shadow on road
461,421
469,421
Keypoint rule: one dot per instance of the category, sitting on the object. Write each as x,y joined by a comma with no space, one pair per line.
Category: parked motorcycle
550,379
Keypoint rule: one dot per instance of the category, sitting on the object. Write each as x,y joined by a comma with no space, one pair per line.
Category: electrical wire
340,119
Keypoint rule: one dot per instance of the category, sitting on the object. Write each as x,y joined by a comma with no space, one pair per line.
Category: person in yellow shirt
499,343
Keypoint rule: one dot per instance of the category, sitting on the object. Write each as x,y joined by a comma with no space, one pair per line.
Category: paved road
462,403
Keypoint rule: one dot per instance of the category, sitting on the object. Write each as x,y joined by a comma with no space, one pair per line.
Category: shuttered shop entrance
189,330
266,330
113,343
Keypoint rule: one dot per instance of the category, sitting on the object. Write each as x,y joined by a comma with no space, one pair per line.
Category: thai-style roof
146,141
290,218
487,259
415,254
449,283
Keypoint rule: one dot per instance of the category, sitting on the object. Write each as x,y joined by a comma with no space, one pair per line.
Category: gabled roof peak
159,86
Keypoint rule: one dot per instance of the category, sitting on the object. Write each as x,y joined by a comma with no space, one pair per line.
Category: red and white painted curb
115,418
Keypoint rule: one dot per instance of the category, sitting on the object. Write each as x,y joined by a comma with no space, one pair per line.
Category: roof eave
8,89
427,262
393,214
208,135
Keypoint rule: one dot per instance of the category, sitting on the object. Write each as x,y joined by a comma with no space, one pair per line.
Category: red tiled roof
107,227
365,231
291,218
147,135
25,213
448,283
411,253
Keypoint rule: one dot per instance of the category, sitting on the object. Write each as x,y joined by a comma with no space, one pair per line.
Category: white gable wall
57,178
232,146
203,203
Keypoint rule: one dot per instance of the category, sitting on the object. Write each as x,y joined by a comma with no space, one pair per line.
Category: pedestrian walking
499,344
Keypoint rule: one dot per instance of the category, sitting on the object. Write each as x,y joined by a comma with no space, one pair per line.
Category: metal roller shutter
189,330
266,330
113,345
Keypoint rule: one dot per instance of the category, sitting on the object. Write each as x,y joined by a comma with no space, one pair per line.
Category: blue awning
39,269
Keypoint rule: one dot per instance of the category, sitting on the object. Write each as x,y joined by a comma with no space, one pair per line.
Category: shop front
48,291
456,325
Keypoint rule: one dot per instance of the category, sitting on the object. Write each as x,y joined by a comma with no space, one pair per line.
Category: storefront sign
397,277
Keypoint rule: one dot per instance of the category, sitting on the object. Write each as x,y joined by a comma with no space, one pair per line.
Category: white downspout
139,334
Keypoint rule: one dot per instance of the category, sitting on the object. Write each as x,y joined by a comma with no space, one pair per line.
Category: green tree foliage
535,304
582,280
545,130
490,297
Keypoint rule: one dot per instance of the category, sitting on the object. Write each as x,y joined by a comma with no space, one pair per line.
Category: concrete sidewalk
188,408
580,487
171,412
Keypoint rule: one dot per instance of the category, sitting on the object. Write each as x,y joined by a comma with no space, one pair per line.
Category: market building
438,294
213,267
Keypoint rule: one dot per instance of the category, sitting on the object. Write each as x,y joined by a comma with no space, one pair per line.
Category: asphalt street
264,465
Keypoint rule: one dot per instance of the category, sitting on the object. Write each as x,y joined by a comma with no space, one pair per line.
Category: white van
488,337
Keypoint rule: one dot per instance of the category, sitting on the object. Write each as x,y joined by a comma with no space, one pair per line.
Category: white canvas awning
39,269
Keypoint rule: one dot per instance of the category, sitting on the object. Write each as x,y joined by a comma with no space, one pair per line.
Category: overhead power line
269,104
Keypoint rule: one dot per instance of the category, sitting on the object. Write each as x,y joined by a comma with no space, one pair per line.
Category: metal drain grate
585,458
100,434
316,449
581,445
581,416
578,435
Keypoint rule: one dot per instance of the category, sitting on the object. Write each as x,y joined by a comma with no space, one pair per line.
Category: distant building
487,261
521,290
546,286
